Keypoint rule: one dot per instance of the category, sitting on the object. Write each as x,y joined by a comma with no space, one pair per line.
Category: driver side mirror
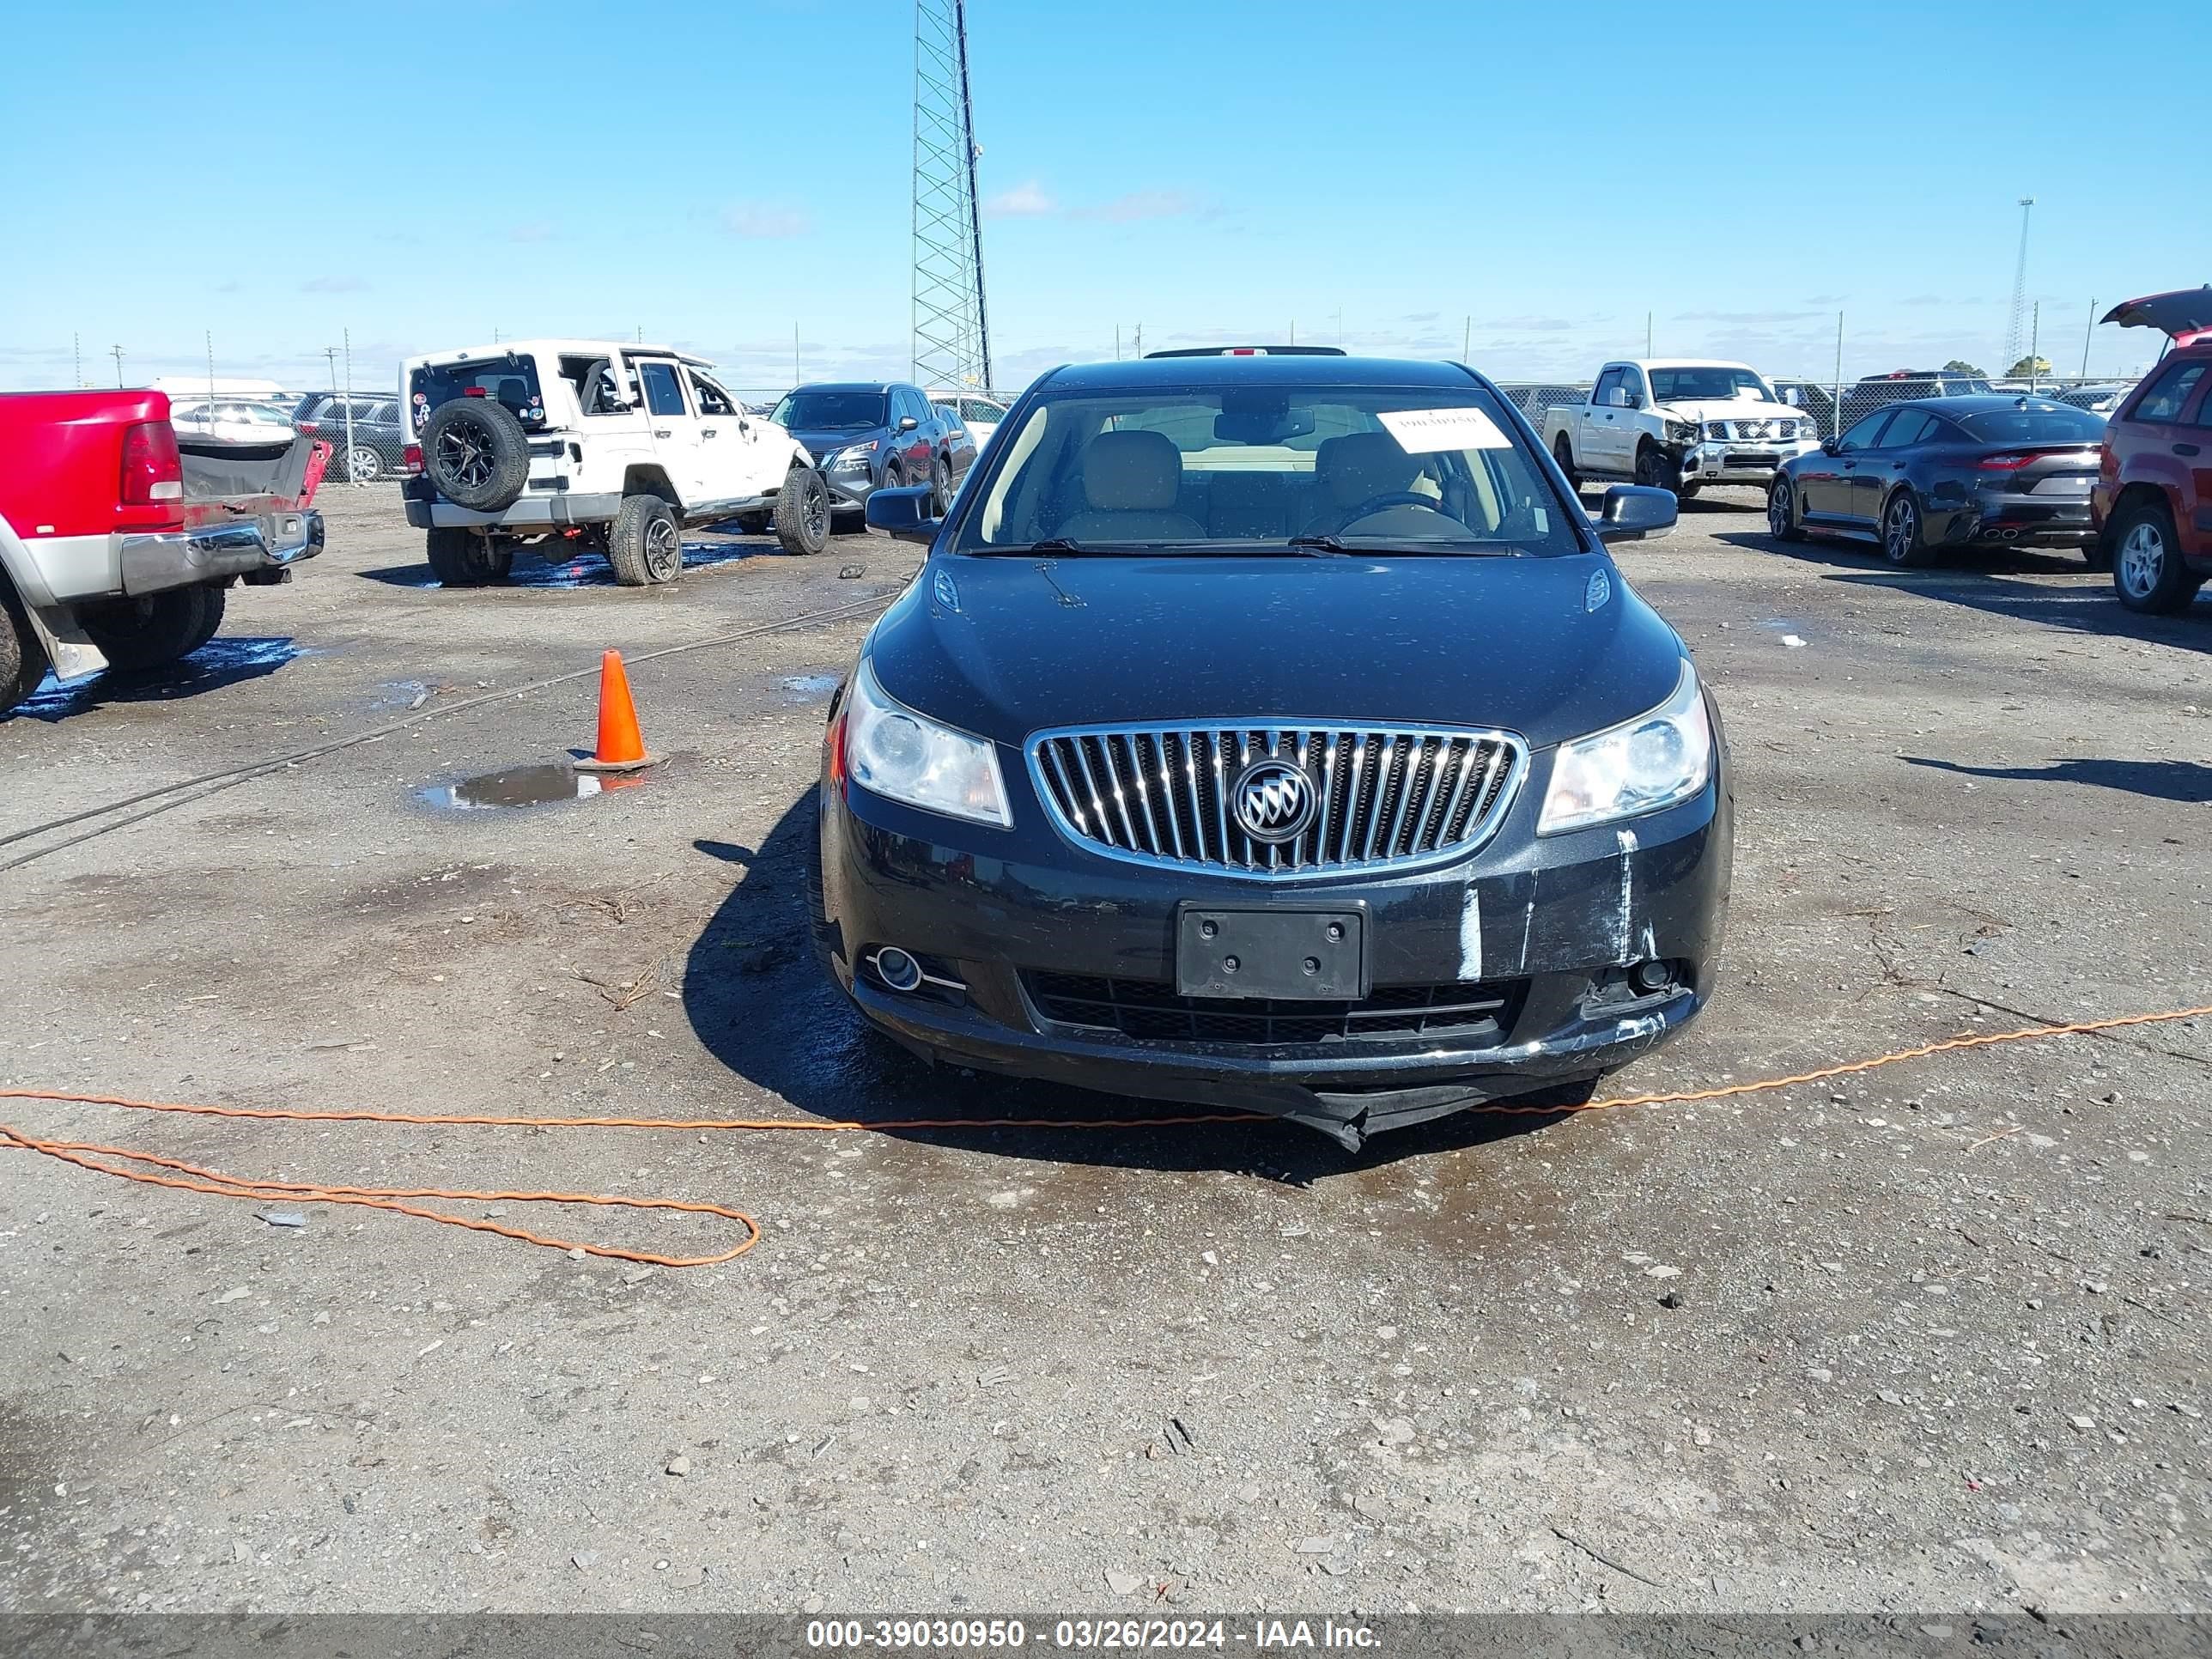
903,513
1633,513
907,423
1831,446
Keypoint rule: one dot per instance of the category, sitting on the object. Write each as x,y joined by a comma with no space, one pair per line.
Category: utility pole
1140,339
1838,393
1647,334
76,357
2088,331
116,352
347,337
210,361
1467,338
1117,343
2018,286
331,356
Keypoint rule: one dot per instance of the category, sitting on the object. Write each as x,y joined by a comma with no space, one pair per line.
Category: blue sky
716,174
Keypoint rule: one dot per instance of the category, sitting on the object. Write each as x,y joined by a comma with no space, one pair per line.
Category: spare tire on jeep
475,454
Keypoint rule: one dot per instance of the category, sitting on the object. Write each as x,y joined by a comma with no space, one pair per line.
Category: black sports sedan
1275,732
1946,473
877,436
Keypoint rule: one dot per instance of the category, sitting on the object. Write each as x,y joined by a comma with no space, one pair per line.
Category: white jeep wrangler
596,446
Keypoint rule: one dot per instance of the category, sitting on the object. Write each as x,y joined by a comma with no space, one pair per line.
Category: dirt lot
1935,1336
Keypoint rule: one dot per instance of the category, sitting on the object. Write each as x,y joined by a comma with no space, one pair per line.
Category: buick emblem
1275,801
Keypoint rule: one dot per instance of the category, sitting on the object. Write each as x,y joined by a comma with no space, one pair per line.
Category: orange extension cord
191,1178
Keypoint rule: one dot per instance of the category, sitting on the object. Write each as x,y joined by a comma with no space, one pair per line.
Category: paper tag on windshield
1423,431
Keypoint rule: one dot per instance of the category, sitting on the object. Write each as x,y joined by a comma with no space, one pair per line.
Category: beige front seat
1131,481
1357,468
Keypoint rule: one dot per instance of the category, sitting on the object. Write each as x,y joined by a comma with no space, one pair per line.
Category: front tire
940,487
2148,572
645,545
461,558
139,635
1781,512
802,512
1904,542
1656,470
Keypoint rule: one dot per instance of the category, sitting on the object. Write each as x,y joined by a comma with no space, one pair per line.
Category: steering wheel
1394,498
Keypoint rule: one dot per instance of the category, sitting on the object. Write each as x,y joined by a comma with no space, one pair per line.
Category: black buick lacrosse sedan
1275,732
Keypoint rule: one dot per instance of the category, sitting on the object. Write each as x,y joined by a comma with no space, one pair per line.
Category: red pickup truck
117,544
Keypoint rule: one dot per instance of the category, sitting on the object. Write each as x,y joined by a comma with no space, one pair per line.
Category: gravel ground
1928,1338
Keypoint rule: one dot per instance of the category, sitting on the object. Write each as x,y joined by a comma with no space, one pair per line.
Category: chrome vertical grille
1383,796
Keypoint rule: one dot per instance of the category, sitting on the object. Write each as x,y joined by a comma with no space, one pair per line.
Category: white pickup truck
1678,424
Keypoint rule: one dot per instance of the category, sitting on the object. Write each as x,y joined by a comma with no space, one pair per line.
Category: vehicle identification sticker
1423,431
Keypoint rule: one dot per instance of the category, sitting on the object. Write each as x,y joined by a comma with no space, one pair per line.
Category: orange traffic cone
622,746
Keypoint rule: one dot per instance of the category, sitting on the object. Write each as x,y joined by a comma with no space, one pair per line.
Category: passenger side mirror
1631,512
1830,446
903,512
1615,397
907,423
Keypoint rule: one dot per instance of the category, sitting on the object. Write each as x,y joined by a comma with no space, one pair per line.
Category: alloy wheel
363,465
663,549
463,458
1778,507
1902,530
2143,560
816,510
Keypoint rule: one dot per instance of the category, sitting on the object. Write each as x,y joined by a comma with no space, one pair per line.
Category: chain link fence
1819,399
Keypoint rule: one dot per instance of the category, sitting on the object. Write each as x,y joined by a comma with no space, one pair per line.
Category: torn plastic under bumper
1346,1097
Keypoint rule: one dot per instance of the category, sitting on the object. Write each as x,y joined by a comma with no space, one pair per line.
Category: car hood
820,440
1731,409
1548,647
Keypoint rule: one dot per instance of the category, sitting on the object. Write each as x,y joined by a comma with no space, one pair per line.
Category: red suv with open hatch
2152,502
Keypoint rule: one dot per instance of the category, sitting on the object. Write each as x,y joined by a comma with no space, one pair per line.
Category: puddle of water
218,662
806,688
525,786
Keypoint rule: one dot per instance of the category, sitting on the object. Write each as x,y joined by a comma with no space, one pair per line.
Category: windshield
831,411
2036,426
1198,470
1708,383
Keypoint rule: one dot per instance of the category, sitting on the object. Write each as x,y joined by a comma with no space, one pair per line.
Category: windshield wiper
1337,546
1051,546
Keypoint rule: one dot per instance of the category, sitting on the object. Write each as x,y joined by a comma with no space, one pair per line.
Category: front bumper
156,562
850,489
1553,924
1744,461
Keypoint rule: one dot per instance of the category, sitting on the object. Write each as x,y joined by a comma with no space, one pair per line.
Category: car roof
557,348
1986,403
1140,373
846,386
1686,362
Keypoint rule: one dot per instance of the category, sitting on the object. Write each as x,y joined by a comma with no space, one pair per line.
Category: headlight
896,753
1681,432
1638,766
853,459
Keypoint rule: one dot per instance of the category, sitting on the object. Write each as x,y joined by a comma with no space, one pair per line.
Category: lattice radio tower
2016,331
951,330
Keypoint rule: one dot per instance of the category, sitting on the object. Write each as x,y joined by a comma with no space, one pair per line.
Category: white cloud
1028,200
1140,204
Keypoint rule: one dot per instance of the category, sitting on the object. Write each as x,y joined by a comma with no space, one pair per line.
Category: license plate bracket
1288,953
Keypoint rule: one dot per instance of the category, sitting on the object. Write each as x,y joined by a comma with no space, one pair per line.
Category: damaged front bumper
1744,461
1556,960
